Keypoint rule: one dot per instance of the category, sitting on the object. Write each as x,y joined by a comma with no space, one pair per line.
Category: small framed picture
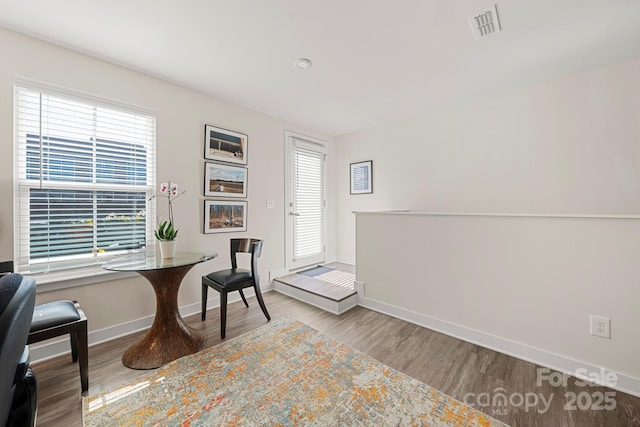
221,216
361,177
225,145
225,180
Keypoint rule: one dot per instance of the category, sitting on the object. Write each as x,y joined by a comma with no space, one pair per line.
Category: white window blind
308,195
85,174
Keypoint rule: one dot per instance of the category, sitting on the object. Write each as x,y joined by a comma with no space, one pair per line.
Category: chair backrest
17,300
252,246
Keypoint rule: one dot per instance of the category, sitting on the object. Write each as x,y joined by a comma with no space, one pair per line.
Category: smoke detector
485,22
302,63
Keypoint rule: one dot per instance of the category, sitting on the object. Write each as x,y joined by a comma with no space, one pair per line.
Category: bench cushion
53,314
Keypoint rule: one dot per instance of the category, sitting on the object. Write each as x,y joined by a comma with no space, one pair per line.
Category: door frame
289,138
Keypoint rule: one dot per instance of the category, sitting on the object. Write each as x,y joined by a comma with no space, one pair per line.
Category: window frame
59,274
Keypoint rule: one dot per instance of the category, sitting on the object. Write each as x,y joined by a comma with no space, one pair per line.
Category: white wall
568,146
565,146
181,116
524,285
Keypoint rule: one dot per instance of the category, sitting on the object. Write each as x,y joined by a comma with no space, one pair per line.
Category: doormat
315,271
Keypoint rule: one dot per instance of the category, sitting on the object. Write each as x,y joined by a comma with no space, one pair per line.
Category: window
85,174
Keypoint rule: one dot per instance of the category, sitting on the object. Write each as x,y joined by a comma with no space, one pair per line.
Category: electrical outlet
600,326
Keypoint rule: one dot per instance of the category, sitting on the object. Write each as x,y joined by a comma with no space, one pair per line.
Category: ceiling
374,61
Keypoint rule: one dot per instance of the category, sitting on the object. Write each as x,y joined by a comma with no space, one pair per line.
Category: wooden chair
58,318
235,279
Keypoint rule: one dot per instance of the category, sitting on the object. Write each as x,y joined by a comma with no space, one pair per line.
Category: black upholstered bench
63,317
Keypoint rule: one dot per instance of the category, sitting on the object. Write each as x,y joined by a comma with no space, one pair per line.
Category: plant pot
167,248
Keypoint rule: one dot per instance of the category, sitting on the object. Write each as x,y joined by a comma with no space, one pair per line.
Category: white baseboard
359,288
276,273
57,347
623,383
330,259
345,260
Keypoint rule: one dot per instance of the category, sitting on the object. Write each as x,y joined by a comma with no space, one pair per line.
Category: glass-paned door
305,205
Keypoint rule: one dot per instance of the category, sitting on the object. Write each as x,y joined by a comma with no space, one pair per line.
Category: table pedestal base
169,337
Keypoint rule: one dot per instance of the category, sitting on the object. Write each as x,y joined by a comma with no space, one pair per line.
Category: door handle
294,214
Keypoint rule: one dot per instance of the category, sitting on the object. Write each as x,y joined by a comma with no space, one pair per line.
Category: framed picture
361,177
225,145
225,180
221,216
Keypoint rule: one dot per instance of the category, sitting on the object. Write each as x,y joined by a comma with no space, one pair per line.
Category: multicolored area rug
284,373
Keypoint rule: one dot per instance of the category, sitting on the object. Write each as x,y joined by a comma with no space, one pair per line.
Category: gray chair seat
53,314
229,277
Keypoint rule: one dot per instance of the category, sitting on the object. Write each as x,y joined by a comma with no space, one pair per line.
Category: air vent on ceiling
485,23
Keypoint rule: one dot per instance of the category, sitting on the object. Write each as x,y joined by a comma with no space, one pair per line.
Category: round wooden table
169,337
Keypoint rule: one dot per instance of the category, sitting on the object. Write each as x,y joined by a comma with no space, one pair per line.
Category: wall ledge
509,215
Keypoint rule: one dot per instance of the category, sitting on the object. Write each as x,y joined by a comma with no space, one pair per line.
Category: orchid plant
166,230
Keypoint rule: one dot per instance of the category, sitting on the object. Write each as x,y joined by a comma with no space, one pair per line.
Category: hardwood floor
462,370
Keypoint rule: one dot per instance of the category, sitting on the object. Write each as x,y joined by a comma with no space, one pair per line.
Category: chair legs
261,302
205,292
24,407
246,304
223,305
82,354
79,352
74,346
223,314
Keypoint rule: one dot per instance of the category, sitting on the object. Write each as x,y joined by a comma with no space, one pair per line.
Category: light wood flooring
447,364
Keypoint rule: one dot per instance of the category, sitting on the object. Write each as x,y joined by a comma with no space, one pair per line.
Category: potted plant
166,232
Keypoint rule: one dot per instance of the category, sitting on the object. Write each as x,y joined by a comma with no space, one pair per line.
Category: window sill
53,281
